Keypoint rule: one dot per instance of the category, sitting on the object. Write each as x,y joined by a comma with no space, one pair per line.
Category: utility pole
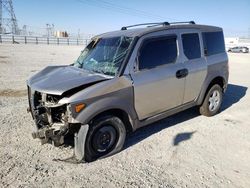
24,31
78,33
8,21
48,30
1,17
249,32
52,30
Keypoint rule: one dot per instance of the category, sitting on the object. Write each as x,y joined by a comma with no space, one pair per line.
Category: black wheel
105,137
212,102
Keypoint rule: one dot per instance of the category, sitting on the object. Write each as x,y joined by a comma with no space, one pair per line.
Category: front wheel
105,137
212,102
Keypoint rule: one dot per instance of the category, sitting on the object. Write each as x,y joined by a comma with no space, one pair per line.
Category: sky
98,16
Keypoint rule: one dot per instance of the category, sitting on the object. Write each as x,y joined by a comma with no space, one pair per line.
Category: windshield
104,55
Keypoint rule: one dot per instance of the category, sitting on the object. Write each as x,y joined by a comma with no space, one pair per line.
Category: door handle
182,73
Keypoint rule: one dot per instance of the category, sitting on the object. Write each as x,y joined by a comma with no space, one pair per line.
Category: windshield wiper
77,63
99,71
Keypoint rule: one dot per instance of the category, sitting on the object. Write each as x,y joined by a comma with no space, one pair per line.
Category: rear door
158,75
194,62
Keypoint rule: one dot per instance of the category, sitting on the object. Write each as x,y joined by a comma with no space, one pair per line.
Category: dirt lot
185,150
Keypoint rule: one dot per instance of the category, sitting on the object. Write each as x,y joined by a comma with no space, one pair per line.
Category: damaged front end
51,117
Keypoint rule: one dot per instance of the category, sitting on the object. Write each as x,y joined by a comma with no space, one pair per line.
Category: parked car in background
239,49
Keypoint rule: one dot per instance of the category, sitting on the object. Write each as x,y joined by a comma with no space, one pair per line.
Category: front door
159,77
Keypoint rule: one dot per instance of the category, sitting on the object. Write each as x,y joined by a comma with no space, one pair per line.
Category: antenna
8,21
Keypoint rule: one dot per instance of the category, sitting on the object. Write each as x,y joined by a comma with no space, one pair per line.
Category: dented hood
58,79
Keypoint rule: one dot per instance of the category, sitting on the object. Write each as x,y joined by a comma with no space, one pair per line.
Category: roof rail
189,22
156,24
149,24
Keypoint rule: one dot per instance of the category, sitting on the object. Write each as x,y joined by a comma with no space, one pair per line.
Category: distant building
61,34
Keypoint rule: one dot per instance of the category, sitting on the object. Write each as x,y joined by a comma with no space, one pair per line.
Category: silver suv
126,79
239,49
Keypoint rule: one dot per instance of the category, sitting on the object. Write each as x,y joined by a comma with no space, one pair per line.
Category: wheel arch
81,136
221,81
120,113
121,107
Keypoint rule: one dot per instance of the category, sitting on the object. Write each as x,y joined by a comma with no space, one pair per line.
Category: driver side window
157,51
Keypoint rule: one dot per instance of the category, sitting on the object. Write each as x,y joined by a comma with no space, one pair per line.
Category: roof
142,31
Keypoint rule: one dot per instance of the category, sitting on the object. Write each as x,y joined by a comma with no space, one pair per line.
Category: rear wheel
105,137
212,102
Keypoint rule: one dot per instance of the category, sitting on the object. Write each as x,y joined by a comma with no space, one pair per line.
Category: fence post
77,41
1,39
68,41
57,41
36,40
25,40
48,40
13,39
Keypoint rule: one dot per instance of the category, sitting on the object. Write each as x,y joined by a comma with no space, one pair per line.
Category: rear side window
191,45
156,52
213,43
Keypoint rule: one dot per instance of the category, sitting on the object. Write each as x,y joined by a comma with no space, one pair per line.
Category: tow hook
49,136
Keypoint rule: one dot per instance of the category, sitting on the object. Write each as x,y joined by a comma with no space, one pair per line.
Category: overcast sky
97,16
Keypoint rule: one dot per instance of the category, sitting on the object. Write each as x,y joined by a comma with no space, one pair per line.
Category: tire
212,102
106,136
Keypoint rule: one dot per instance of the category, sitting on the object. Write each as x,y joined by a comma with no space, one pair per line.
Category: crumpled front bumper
45,129
55,133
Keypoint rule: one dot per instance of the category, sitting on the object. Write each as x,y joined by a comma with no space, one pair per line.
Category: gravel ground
184,150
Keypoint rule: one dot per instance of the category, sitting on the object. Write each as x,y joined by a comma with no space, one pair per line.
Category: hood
58,79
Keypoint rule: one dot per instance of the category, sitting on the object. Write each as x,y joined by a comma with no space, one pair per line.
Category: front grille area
43,115
53,98
58,114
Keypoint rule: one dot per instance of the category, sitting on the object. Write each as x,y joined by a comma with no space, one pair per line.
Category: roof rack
149,24
190,22
156,24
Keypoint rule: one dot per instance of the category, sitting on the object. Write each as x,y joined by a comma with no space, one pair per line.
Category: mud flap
80,139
